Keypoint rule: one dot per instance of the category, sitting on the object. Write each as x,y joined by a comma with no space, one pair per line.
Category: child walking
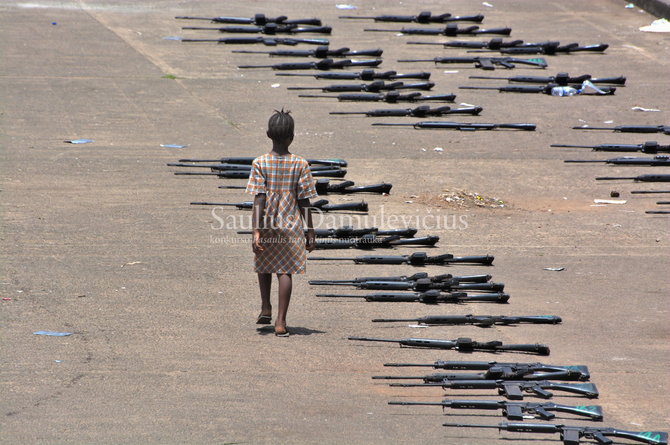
282,185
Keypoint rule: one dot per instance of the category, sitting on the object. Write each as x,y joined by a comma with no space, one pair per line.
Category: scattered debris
609,201
487,4
275,85
342,6
459,199
52,333
438,149
131,264
554,269
172,38
79,141
173,146
660,25
644,109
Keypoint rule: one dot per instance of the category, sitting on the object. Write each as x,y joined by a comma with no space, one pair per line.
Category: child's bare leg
285,287
265,285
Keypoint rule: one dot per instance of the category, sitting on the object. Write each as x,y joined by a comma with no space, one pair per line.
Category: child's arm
306,213
257,218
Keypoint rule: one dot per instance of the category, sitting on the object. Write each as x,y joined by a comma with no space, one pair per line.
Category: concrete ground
99,239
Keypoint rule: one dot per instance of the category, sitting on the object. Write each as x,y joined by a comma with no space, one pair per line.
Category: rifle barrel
385,320
582,161
572,146
320,258
387,340
471,425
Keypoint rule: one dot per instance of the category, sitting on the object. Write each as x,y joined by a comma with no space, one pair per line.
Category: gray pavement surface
99,240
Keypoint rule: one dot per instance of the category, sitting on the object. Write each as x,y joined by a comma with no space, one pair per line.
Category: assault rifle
415,259
482,321
544,89
665,129
269,28
422,17
638,192
362,75
656,161
494,43
549,48
373,87
250,159
570,435
392,96
321,204
451,29
507,370
324,187
267,41
514,389
463,344
428,297
323,64
372,241
561,79
257,19
640,178
516,410
321,52
405,278
341,232
485,63
651,147
461,126
334,173
419,285
245,167
421,111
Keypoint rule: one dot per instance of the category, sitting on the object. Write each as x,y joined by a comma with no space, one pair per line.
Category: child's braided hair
280,125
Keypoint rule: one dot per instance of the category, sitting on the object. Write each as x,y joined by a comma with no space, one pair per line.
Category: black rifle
267,41
257,19
507,370
415,259
323,64
321,204
421,111
390,97
483,321
422,17
248,160
405,278
665,129
341,232
362,75
324,187
428,297
641,178
485,63
462,126
516,410
463,344
549,48
371,241
493,374
570,435
241,167
373,87
270,28
321,52
514,389
544,89
656,161
560,79
494,43
651,147
421,284
451,29
334,173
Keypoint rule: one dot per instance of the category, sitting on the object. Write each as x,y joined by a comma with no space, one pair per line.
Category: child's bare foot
281,330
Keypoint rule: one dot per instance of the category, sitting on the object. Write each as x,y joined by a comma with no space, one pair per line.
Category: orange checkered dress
284,180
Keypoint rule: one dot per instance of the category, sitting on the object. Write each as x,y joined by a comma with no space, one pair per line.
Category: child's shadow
293,330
